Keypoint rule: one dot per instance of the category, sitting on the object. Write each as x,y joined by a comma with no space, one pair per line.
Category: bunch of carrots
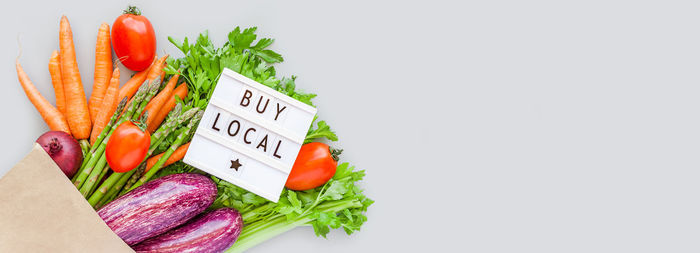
91,121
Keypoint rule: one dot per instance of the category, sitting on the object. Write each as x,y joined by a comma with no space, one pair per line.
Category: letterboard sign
250,135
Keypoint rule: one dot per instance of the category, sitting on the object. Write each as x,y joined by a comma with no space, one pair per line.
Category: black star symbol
235,164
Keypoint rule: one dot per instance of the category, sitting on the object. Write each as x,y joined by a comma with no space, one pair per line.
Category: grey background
490,126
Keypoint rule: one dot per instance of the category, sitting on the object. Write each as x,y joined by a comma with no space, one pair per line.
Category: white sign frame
205,139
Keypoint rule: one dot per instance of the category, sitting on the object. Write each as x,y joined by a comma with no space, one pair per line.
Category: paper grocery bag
41,211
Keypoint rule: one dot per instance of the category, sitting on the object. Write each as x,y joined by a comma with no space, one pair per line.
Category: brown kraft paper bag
41,211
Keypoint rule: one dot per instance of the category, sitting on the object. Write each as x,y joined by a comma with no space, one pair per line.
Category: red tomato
315,165
134,40
127,147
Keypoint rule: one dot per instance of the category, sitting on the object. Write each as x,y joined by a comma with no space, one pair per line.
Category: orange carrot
176,156
159,100
109,105
157,68
77,113
131,86
55,70
162,73
181,92
103,70
51,115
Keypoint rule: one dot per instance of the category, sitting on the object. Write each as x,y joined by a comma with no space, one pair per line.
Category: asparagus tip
197,117
122,103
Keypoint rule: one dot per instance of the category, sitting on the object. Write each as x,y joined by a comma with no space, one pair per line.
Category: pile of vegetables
133,138
337,203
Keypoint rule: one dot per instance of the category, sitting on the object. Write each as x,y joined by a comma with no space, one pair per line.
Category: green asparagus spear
152,90
84,146
112,192
102,175
172,121
180,139
106,185
164,130
179,120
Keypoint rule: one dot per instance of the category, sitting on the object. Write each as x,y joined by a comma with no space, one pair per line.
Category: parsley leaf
242,40
323,131
268,55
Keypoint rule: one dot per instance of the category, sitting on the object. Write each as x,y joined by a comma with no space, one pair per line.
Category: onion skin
212,232
63,149
158,206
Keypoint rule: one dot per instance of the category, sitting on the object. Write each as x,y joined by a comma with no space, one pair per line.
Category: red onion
63,149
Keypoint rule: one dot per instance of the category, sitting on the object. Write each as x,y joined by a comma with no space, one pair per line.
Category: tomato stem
335,153
133,10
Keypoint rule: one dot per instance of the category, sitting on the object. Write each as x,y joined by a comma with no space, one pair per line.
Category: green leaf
293,200
304,97
336,190
307,197
242,40
323,131
269,56
177,44
347,215
329,218
320,229
343,170
170,69
263,43
252,199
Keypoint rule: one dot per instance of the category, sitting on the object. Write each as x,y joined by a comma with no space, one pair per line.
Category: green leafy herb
203,63
323,131
337,204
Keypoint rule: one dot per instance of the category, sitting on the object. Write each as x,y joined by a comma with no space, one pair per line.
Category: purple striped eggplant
212,232
158,206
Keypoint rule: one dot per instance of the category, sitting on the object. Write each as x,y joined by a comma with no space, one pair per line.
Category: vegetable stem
133,178
104,172
247,216
85,146
262,230
132,10
152,90
274,228
106,185
112,193
90,166
92,180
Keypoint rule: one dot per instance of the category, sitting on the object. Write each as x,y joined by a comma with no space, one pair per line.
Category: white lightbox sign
250,135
